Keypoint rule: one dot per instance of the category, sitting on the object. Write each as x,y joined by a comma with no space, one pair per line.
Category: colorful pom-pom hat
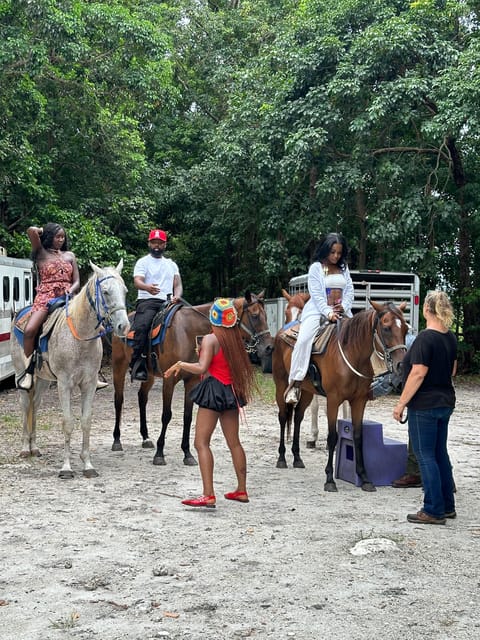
223,313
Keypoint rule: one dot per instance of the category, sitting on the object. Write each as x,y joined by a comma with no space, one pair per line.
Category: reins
385,354
100,308
252,345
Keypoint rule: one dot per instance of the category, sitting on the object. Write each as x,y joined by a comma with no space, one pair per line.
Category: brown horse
346,374
180,343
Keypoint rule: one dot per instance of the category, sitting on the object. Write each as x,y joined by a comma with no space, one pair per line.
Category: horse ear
261,295
248,296
119,266
376,305
286,295
94,268
403,305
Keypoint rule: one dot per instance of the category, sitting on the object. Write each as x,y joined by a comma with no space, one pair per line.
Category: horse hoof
331,487
368,486
35,453
298,464
147,444
24,454
281,464
90,473
66,475
189,461
117,446
159,461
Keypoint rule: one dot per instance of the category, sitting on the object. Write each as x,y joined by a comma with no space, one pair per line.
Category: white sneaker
25,379
292,395
101,384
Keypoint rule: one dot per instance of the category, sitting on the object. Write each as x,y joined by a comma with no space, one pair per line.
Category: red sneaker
201,501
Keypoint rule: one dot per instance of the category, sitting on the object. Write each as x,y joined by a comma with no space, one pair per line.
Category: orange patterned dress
55,280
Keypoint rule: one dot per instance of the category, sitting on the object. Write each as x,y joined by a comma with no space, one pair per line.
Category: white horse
74,358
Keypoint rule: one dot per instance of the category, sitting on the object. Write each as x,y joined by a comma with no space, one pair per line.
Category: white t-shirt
159,271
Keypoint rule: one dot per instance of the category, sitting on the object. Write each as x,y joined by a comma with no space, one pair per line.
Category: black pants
145,311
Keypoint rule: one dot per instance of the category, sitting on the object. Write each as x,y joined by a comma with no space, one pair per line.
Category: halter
385,354
250,330
101,309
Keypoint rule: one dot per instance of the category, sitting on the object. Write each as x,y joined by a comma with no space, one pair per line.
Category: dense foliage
247,130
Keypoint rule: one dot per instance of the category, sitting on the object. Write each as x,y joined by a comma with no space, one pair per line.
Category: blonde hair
438,304
243,374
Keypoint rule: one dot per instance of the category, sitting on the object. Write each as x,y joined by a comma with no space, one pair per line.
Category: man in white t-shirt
158,282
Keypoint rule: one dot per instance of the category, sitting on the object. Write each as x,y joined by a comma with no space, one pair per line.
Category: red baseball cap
157,234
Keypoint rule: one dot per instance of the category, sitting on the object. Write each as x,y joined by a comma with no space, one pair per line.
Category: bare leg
205,426
230,428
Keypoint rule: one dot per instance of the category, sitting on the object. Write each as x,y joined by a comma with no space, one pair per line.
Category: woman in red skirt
220,396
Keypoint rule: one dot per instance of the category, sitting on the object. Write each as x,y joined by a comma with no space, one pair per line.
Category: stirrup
139,369
25,379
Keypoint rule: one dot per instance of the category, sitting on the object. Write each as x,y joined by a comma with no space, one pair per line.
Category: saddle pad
160,324
289,335
322,338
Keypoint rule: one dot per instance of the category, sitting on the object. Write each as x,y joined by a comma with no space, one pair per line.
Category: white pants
303,347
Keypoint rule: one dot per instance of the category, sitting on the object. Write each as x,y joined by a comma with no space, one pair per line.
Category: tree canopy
248,130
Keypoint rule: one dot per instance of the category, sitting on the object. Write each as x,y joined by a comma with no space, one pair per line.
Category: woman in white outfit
331,297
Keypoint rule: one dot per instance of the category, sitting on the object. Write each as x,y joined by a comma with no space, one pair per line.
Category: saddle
319,346
324,333
160,323
55,309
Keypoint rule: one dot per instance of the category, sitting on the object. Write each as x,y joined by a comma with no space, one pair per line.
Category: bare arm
177,288
139,282
209,348
75,277
412,385
34,234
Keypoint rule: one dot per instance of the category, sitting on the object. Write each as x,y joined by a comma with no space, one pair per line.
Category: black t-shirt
438,352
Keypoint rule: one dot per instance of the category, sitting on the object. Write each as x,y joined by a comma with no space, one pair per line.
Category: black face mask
156,253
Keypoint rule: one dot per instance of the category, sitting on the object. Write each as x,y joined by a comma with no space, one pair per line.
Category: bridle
385,354
101,309
255,336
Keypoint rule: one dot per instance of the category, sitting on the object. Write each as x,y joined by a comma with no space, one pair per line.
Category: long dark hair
50,230
243,373
323,250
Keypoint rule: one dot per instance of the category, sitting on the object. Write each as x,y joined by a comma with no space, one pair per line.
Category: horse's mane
353,331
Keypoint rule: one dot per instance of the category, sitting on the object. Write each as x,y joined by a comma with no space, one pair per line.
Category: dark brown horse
346,374
180,343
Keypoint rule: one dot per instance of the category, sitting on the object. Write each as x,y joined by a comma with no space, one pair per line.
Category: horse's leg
167,394
358,408
119,367
332,411
64,396
30,401
86,404
305,400
313,437
188,458
284,412
143,392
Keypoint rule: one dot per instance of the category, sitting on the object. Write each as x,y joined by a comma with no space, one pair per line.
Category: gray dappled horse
74,358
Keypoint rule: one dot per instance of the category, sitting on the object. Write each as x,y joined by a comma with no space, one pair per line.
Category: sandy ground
118,557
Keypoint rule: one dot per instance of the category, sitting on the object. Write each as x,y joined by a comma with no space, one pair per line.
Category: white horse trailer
380,286
16,292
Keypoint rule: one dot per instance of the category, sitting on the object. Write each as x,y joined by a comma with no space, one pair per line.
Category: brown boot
408,481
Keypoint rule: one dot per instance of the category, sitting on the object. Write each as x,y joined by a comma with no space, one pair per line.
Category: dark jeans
428,431
145,311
